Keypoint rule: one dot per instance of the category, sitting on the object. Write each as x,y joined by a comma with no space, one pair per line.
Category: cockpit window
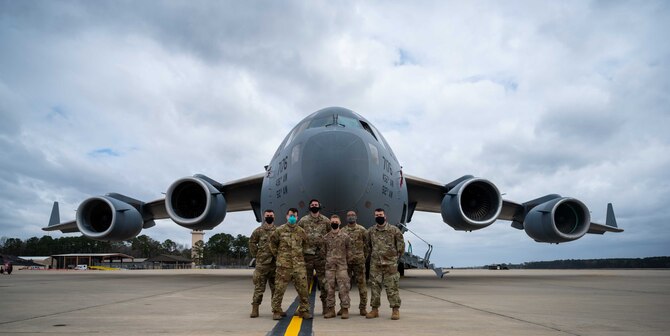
320,122
350,123
369,129
295,133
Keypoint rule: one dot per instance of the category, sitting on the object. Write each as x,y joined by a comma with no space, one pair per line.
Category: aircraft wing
240,195
426,195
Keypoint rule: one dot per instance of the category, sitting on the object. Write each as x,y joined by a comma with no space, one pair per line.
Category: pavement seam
492,312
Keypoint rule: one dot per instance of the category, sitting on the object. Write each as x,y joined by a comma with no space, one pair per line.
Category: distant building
165,261
71,260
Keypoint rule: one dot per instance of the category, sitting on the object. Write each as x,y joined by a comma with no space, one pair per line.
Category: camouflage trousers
387,276
315,262
357,273
340,278
263,274
282,277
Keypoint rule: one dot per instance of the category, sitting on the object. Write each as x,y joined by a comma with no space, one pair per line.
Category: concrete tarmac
216,302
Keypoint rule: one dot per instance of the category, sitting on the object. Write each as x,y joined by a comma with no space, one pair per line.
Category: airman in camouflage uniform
359,253
316,226
386,246
338,251
265,262
287,245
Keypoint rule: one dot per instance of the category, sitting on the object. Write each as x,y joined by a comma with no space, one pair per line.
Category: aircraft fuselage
336,156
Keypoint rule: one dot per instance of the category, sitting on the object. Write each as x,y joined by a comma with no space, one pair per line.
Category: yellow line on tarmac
296,322
294,327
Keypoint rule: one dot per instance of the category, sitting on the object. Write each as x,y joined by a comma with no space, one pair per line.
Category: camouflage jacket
386,244
315,228
258,244
337,249
359,242
287,244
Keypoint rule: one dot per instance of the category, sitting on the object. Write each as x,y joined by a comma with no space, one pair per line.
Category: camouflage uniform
386,245
356,264
338,251
287,244
265,262
315,258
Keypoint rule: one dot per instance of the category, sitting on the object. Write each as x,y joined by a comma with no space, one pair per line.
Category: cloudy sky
569,97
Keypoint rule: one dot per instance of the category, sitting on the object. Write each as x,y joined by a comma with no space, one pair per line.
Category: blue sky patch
104,152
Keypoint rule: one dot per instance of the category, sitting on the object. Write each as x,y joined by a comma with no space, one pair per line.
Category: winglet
611,219
55,215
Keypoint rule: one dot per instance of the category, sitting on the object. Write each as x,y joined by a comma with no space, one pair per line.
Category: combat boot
396,314
254,311
330,313
276,315
373,313
363,311
345,313
339,312
306,316
325,308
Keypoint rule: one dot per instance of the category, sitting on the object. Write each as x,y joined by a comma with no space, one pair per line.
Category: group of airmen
336,252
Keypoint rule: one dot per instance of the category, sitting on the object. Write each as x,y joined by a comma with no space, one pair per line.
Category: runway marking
296,326
492,312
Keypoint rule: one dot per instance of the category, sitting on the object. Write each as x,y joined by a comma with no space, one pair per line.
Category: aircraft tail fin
55,215
611,219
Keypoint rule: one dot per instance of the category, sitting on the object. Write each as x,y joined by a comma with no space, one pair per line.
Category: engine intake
472,204
557,221
194,203
108,219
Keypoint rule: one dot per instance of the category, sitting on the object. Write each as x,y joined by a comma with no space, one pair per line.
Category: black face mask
314,209
380,220
335,226
269,220
351,219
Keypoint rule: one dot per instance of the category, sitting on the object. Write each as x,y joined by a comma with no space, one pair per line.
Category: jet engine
472,204
106,218
194,203
557,221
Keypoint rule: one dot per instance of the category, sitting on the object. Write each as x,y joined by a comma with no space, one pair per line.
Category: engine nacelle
472,204
194,203
106,218
557,221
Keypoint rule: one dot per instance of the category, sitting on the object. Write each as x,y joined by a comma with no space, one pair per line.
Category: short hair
334,216
380,210
292,210
315,200
269,210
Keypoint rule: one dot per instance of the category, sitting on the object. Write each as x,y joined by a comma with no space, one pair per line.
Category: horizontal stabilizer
610,223
55,224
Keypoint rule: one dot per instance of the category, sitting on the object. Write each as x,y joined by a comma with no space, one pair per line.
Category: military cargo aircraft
337,156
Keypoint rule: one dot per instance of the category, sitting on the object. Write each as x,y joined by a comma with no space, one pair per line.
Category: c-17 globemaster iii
337,156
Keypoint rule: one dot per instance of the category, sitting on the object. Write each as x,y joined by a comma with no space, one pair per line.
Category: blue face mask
292,219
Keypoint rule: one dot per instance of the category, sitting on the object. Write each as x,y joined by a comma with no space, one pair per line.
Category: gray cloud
541,98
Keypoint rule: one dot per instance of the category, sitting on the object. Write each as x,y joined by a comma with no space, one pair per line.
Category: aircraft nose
335,169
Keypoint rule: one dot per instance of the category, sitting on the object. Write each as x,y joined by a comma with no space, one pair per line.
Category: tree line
651,262
220,249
